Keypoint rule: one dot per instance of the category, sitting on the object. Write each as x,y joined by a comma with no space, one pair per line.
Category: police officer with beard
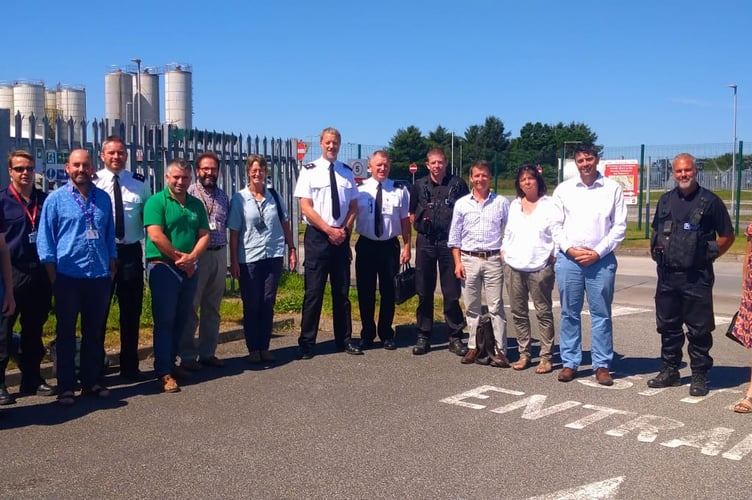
691,229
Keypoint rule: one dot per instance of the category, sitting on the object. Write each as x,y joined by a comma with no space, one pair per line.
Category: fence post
738,174
641,183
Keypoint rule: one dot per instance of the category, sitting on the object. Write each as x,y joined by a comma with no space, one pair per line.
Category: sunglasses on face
22,169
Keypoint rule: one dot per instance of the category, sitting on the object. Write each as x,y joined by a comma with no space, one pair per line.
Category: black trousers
33,294
128,286
325,261
430,254
685,298
376,259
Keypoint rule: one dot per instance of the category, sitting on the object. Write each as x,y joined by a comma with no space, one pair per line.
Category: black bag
404,284
485,341
745,339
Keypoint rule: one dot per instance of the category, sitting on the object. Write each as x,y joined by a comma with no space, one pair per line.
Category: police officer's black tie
377,219
335,193
119,217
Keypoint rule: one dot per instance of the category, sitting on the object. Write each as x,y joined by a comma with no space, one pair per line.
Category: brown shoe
567,374
469,357
500,361
169,384
603,376
212,361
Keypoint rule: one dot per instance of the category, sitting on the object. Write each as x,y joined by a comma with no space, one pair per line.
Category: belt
483,255
214,249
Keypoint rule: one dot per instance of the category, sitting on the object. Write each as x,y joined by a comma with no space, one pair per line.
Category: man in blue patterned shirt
76,244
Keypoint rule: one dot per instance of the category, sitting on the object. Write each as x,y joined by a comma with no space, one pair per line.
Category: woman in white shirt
528,251
259,229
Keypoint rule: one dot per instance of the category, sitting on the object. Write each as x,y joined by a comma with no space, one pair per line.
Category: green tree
440,138
486,142
407,146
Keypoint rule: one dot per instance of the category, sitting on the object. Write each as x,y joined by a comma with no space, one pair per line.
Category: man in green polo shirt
177,233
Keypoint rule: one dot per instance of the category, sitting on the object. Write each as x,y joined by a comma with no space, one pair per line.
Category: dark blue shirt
16,224
66,220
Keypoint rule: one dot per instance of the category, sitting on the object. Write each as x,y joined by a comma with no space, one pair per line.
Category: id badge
33,238
92,234
212,226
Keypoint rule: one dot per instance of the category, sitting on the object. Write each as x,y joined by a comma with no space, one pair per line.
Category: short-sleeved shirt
135,192
314,183
395,206
16,223
257,241
180,223
216,204
715,220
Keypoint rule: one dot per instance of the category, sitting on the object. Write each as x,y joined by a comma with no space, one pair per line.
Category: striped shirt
477,224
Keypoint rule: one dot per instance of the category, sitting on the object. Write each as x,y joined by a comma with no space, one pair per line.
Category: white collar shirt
395,206
314,184
135,193
477,224
593,217
528,238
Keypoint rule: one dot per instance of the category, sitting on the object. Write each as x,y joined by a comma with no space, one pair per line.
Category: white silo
71,104
179,96
50,105
149,97
28,99
118,96
6,96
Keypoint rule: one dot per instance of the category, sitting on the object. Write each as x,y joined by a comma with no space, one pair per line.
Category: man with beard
20,209
213,270
685,226
76,244
128,194
177,233
329,203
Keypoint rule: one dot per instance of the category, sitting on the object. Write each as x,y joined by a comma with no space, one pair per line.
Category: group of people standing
82,244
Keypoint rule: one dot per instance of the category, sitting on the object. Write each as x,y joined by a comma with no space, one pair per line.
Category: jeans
88,297
258,289
597,281
171,302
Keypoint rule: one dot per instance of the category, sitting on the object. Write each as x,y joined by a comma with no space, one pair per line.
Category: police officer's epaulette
94,176
309,165
139,177
348,167
399,185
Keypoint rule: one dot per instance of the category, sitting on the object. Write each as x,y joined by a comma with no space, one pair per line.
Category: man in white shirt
475,240
383,214
592,222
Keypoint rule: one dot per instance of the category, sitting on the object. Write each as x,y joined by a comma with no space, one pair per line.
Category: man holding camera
432,200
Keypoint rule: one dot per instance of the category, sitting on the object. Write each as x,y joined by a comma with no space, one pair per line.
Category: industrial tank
28,99
149,98
179,96
6,96
118,96
50,105
71,103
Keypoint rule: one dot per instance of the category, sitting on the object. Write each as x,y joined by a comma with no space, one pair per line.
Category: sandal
522,363
744,406
544,366
66,398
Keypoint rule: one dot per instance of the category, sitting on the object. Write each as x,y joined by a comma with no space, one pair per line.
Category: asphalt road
391,425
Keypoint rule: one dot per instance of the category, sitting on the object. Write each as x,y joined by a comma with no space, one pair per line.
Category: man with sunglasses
20,208
213,271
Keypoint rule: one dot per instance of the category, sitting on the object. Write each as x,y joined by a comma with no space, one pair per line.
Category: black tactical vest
433,216
683,245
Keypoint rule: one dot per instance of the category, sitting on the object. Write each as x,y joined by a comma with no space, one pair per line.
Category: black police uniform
31,286
432,206
684,246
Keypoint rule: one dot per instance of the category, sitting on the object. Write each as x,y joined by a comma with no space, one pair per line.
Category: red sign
626,173
301,150
413,168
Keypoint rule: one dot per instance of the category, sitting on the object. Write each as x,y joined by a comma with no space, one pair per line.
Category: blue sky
652,72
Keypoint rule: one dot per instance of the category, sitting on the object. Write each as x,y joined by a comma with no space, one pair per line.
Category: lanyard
201,191
89,214
31,215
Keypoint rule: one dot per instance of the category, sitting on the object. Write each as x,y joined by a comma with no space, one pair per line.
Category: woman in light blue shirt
259,229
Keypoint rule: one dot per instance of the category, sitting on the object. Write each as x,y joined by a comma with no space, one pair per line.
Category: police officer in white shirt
329,203
128,212
383,214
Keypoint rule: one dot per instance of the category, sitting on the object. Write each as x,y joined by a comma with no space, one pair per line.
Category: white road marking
601,490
